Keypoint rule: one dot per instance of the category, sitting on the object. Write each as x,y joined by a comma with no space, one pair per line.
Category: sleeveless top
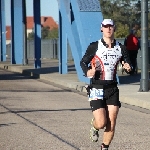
105,60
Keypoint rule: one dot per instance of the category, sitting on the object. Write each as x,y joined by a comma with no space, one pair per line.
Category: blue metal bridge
79,24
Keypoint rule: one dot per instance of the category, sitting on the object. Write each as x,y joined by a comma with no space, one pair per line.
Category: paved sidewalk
129,86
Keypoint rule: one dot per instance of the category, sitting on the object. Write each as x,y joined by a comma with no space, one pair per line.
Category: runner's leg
111,113
98,122
99,118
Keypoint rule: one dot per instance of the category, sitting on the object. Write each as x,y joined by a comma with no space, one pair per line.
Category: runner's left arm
125,56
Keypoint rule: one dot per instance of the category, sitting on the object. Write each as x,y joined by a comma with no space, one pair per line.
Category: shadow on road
8,124
45,110
32,73
130,79
13,76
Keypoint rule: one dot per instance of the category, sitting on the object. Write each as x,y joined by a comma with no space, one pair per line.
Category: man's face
108,30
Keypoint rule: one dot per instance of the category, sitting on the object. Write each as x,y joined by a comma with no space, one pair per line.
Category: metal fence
49,49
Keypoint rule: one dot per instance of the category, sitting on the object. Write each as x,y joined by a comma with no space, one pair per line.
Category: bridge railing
50,50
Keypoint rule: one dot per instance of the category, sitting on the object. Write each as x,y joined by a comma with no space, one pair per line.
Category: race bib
95,94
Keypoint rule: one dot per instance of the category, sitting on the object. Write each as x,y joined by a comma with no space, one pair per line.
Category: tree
46,33
122,30
31,36
53,34
125,13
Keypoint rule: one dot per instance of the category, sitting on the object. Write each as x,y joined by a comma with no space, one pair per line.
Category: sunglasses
107,26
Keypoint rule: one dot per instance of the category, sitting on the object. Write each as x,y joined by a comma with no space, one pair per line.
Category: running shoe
94,133
102,147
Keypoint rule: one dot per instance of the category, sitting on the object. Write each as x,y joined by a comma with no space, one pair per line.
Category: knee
110,127
100,124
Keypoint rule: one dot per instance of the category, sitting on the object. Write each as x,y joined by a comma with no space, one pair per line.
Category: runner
132,44
103,57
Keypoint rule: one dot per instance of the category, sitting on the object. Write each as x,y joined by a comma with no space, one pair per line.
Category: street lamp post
144,82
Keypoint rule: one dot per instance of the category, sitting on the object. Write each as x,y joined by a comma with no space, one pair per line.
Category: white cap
107,21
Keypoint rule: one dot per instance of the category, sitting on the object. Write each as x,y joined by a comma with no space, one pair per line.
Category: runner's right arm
88,56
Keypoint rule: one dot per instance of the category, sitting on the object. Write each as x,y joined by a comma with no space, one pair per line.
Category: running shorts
111,97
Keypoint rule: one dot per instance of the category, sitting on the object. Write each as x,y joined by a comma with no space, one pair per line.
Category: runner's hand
126,66
91,72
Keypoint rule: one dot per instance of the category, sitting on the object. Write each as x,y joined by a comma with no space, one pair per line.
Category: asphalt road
38,115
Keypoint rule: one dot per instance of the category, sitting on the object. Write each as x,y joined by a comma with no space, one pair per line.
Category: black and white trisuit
103,88
105,59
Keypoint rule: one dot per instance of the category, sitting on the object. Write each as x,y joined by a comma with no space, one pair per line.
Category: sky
48,8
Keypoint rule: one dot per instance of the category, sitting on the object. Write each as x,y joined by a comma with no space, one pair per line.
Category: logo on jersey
106,63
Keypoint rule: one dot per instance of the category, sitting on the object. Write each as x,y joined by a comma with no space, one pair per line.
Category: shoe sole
93,140
90,132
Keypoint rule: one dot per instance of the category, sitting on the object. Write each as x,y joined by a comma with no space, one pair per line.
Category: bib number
96,94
